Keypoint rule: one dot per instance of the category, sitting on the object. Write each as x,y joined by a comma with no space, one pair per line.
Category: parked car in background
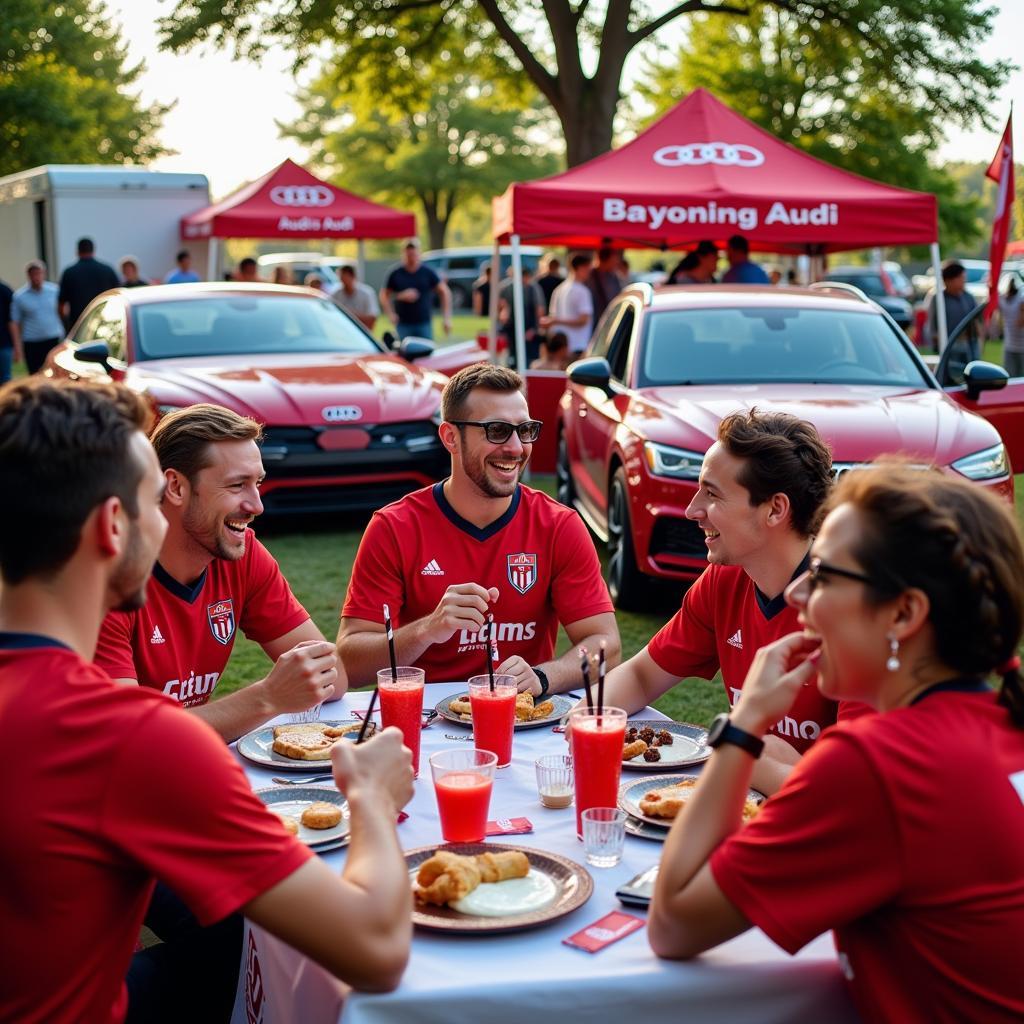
300,264
348,424
666,366
977,279
880,285
460,268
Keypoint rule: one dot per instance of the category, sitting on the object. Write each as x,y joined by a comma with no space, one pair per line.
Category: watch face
718,726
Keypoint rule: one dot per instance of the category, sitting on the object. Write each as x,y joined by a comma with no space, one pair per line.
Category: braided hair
961,546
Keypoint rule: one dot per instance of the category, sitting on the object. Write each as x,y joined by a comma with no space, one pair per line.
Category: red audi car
348,424
666,366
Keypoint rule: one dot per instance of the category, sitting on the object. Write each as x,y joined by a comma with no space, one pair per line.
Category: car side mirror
592,373
412,349
389,339
94,352
981,376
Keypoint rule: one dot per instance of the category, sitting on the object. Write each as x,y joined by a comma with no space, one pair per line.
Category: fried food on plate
321,815
304,746
668,801
460,706
290,824
448,877
333,731
543,710
634,749
524,706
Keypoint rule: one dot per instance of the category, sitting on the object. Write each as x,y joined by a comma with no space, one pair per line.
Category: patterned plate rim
556,698
335,842
444,919
268,759
640,765
632,807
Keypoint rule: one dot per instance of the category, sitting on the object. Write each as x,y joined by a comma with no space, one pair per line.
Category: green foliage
818,85
64,89
442,136
971,181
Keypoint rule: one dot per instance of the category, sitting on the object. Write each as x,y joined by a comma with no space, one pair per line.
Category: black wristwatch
544,684
723,731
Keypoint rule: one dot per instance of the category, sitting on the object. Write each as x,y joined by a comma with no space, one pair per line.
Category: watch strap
542,677
723,731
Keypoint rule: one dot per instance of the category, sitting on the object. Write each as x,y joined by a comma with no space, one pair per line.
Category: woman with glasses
903,831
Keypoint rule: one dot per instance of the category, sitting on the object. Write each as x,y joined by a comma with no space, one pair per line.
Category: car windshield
222,325
765,345
976,275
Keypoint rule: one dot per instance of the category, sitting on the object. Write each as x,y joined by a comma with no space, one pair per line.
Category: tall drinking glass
494,714
401,705
597,740
462,784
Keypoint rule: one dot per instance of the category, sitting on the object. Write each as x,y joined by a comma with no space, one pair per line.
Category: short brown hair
484,375
960,545
781,455
64,449
182,439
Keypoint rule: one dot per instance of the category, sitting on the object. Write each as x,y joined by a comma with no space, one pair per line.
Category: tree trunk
437,215
587,121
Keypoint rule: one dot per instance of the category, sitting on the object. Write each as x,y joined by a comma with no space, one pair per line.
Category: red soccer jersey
722,624
903,832
181,639
95,808
538,555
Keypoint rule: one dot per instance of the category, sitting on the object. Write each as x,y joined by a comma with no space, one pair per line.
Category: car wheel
629,588
565,492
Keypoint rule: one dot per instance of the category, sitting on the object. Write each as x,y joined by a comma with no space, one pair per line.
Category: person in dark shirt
482,292
411,287
82,282
6,340
604,281
958,302
550,279
130,273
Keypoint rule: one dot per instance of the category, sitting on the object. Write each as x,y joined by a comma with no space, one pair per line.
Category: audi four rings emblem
341,413
301,195
727,154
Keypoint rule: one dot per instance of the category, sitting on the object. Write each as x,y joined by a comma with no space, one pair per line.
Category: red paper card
604,931
509,827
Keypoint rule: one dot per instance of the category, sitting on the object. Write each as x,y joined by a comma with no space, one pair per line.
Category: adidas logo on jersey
432,569
157,637
736,640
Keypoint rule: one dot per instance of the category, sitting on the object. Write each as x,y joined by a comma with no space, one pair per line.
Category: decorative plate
688,748
562,705
293,800
573,881
257,746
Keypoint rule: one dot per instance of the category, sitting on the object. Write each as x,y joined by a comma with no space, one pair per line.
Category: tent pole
361,259
940,302
492,303
211,259
517,300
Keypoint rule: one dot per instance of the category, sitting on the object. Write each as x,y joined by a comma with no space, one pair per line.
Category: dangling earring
893,664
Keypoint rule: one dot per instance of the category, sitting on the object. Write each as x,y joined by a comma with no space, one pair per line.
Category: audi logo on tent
725,154
301,195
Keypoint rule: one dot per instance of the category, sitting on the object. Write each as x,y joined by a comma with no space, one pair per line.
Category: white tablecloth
530,976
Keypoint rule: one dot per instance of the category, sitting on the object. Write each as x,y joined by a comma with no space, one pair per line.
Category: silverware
303,782
461,739
431,717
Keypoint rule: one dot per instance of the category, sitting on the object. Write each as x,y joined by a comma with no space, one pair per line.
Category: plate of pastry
300,747
657,745
658,801
316,815
488,888
529,713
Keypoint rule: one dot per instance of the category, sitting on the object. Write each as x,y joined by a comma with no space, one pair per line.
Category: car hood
859,422
294,390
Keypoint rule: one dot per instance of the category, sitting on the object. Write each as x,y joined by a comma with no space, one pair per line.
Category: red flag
1001,172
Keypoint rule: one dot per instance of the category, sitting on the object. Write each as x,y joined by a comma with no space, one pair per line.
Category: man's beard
204,535
132,574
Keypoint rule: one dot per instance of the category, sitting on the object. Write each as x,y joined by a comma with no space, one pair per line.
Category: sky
223,122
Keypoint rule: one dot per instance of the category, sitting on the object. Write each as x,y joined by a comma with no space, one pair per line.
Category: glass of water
604,835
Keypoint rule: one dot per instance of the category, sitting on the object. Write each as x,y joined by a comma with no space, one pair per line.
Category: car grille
417,435
682,538
365,497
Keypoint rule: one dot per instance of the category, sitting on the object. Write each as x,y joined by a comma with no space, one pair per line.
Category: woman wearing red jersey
903,832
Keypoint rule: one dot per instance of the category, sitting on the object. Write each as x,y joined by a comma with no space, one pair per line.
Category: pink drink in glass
494,715
597,741
462,785
401,705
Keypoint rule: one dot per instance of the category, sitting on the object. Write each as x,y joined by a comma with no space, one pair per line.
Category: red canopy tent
290,202
704,171
1016,248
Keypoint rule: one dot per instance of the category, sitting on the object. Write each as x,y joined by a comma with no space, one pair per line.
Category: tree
64,89
816,91
928,46
444,136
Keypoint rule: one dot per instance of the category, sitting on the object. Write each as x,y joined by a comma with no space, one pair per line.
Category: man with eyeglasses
478,543
762,487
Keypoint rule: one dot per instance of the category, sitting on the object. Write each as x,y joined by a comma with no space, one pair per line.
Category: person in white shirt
572,305
356,298
1011,307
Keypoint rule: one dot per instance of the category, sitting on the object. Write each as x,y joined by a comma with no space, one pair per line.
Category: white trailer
124,210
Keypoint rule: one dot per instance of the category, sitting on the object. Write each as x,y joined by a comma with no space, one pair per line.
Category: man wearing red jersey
214,577
107,806
479,542
762,485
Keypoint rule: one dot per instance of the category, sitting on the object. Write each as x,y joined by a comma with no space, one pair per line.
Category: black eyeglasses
498,431
818,568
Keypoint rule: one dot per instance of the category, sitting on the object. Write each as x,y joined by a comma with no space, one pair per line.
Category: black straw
490,652
600,680
394,676
585,669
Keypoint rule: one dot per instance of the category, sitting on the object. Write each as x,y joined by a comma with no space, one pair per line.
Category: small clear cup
555,780
309,715
604,835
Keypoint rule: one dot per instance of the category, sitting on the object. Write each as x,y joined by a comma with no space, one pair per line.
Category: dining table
532,976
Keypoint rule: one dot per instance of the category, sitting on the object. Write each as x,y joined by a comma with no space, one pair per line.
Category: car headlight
165,409
677,463
984,465
437,419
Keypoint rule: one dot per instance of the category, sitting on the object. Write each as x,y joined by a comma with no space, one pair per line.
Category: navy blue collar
467,527
28,641
963,684
186,592
770,607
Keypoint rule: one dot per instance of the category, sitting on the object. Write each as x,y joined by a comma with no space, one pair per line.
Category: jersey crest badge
522,571
221,617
